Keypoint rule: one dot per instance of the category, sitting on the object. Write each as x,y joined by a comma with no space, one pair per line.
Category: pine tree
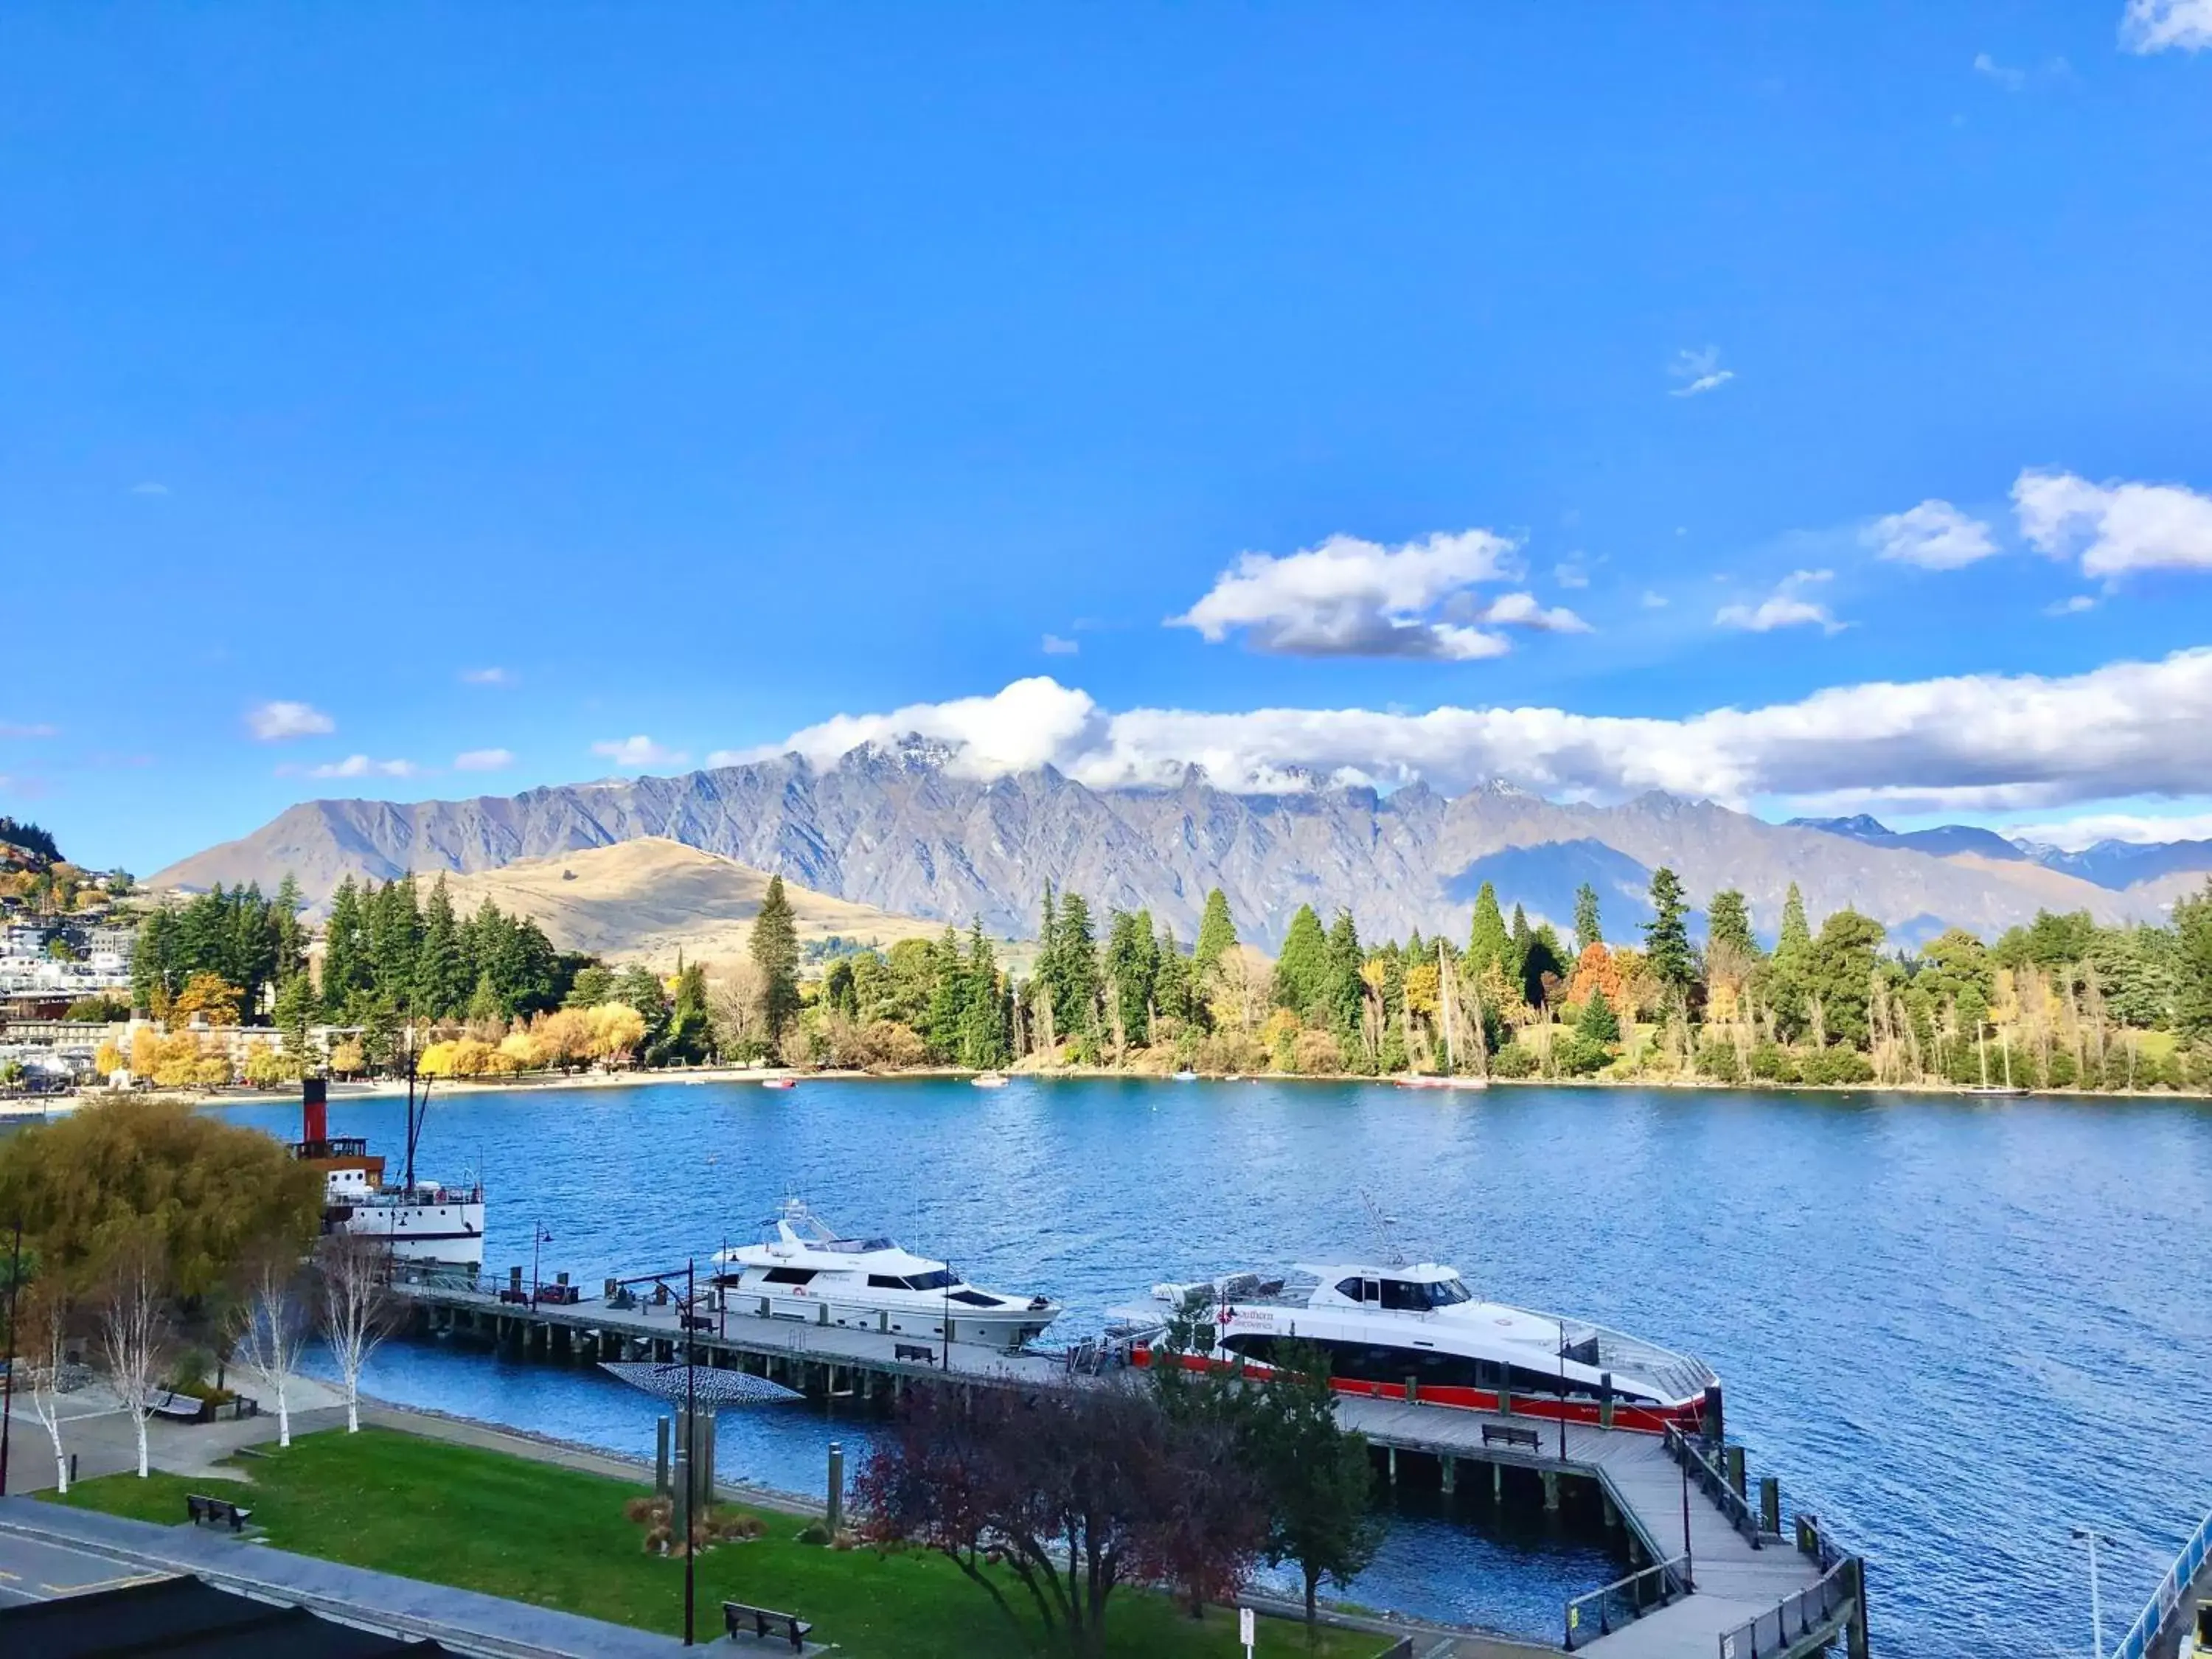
943,1018
1667,936
1790,983
690,1038
1074,979
1344,989
984,1039
1302,971
1598,1023
774,946
1521,936
442,972
291,936
1131,967
1542,957
1174,985
1728,925
1587,930
1217,933
345,951
1487,940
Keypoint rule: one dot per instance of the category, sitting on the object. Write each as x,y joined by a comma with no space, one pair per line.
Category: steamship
421,1221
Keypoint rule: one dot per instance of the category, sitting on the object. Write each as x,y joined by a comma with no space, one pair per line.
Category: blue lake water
1953,1328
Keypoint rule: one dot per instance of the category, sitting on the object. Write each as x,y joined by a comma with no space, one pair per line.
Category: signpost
1244,1623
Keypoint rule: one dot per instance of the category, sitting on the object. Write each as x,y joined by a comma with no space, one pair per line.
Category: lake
1953,1327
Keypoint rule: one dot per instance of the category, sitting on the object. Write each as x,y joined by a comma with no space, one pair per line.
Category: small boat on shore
778,1083
1424,1082
986,1080
1186,1077
804,1269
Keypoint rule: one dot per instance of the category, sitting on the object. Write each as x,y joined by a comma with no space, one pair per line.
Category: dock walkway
1778,1599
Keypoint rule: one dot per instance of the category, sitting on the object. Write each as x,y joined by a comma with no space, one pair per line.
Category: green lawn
533,1531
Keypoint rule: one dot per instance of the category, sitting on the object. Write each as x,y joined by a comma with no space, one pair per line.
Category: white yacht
1417,1331
805,1269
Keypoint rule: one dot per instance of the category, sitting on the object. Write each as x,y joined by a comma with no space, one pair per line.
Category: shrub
1717,1058
1575,1055
1317,1052
815,1532
1516,1060
1837,1065
1771,1063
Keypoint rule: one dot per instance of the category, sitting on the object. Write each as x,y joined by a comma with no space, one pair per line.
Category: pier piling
837,1487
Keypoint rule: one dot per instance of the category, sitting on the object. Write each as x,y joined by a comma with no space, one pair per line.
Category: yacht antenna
1392,1255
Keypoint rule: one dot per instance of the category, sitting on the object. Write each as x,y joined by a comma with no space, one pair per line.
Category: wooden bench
918,1352
698,1321
179,1408
206,1512
1495,1433
738,1619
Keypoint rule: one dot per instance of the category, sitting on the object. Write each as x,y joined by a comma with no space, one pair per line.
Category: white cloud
1570,575
639,751
1524,611
1352,597
1933,535
1786,607
1976,742
272,722
2150,25
487,676
1699,372
2117,528
1054,646
483,760
2012,80
1653,600
2073,605
150,489
360,766
2076,833
12,731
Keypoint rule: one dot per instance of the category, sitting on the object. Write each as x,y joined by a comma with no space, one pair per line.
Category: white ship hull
432,1231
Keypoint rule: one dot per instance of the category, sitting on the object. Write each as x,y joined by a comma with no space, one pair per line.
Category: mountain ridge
900,829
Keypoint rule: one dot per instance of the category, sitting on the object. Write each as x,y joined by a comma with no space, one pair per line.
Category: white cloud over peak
483,760
1699,372
1976,742
360,766
2116,527
1352,598
273,722
1786,607
1524,611
2145,829
639,751
2150,25
1933,535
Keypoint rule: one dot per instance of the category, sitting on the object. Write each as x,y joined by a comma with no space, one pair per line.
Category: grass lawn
533,1531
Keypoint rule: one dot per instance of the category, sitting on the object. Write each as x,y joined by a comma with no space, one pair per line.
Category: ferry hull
1002,1329
449,1232
1687,1416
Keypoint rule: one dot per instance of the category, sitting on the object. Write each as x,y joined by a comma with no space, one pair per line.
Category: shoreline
392,1089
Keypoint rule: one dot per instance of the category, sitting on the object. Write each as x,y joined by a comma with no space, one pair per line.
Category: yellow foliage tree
145,1050
616,1029
1596,969
347,1059
472,1057
209,996
523,1050
107,1059
265,1067
1421,989
437,1059
211,1071
564,1037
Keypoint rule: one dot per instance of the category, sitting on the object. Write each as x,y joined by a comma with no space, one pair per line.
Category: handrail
2167,1597
1797,1616
1670,1582
1715,1486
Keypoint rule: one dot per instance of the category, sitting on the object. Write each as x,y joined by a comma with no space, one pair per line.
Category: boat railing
1601,1612
1819,1610
435,1275
1709,1479
2136,1644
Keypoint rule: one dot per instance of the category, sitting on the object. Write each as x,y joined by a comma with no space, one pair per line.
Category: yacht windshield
1420,1295
940,1279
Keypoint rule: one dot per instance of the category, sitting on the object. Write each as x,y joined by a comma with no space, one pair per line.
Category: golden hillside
646,900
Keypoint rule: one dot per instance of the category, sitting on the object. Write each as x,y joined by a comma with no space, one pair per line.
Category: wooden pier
1723,1580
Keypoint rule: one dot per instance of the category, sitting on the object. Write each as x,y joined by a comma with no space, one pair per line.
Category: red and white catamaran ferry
1416,1331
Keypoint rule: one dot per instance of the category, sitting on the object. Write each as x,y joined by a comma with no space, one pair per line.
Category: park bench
1495,1433
559,1296
209,1511
763,1622
914,1351
180,1408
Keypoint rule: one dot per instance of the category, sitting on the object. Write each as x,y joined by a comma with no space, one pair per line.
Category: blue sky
712,372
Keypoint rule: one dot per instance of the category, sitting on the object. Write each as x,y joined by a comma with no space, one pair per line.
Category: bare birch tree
269,1331
44,1349
354,1310
134,1333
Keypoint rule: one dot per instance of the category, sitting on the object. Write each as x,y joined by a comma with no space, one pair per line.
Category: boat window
788,1275
974,1298
942,1279
1251,1345
1446,1291
1348,1289
1419,1296
886,1282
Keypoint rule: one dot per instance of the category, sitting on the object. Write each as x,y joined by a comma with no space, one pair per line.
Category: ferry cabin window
1348,1289
886,1282
940,1279
1419,1295
788,1276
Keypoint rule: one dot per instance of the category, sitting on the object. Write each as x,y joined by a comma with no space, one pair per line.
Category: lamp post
2093,1538
1689,1565
1563,1390
539,1236
691,1437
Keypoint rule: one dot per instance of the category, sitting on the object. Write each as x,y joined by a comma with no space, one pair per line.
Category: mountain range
902,828
2119,866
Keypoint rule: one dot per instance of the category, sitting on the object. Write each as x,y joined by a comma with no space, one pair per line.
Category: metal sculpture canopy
706,1384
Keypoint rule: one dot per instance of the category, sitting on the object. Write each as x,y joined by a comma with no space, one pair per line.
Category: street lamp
538,1236
2093,1538
1563,1391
